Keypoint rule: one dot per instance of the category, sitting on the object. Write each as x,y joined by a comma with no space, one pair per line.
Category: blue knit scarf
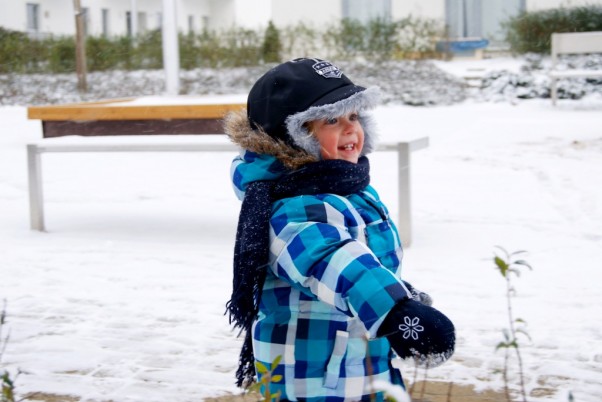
251,249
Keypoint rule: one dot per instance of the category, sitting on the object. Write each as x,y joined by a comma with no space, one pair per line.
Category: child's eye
354,116
332,120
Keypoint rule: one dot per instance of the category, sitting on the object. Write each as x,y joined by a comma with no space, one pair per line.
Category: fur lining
358,102
238,128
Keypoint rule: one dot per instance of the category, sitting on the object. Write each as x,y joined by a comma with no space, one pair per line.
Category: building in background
111,17
463,18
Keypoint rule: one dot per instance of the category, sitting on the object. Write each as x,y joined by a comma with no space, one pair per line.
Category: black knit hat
279,99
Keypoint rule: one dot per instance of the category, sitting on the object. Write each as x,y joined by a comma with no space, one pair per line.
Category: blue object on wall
461,45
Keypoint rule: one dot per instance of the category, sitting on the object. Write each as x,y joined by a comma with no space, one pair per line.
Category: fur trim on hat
358,102
238,128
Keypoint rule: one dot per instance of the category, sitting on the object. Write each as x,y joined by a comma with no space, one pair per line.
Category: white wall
253,14
51,16
117,15
197,9
534,5
418,8
56,16
13,15
222,14
311,12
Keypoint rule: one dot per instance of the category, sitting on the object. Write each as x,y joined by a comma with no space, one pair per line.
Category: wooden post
80,48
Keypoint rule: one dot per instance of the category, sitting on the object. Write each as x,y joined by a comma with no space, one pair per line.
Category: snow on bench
572,43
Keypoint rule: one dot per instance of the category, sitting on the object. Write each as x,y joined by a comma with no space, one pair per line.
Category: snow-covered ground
123,298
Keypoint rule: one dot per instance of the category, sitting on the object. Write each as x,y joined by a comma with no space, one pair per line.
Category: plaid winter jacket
333,276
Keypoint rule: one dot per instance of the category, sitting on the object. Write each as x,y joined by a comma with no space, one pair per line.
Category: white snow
171,100
123,298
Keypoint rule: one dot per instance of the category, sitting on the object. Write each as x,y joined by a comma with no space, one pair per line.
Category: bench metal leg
404,195
36,197
553,91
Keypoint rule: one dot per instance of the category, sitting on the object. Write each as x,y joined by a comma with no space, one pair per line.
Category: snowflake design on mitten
411,327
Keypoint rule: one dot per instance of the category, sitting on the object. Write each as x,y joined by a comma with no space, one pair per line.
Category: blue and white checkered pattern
334,276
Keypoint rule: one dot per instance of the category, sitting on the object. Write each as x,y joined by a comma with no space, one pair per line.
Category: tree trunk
80,48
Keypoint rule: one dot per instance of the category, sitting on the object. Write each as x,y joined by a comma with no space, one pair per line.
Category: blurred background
129,39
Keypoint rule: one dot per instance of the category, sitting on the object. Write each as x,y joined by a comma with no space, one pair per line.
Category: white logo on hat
327,69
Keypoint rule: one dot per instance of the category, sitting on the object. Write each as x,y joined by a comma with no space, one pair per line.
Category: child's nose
349,126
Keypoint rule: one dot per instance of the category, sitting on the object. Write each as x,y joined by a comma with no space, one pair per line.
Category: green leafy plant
272,46
267,378
102,53
531,31
417,37
61,54
378,39
8,388
11,51
509,264
6,381
149,49
303,40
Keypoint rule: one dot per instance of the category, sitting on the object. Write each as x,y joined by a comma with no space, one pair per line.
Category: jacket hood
262,157
238,128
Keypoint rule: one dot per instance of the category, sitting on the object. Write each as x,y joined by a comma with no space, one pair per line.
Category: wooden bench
147,115
80,134
572,43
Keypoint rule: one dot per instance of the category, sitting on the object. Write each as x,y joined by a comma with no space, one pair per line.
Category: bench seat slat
572,43
575,73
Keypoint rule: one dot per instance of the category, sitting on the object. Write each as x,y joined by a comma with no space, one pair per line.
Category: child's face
340,138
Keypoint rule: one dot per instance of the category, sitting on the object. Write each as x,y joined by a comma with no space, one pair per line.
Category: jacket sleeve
315,246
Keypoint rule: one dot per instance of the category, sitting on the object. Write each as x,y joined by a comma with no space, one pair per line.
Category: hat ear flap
305,139
370,133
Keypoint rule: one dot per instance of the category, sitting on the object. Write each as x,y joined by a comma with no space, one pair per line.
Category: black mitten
419,295
418,331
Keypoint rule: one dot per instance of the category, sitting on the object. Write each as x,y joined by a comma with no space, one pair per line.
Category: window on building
479,19
33,17
105,22
191,24
128,23
463,18
365,11
142,23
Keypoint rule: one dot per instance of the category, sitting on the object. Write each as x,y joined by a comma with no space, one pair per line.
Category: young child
317,257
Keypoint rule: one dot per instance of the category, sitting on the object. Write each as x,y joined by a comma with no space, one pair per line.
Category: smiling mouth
348,147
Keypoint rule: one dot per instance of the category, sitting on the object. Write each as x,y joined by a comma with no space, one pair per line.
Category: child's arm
313,248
